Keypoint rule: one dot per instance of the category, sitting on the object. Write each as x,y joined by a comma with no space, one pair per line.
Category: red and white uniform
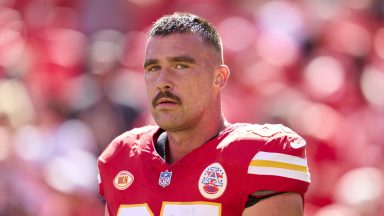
214,179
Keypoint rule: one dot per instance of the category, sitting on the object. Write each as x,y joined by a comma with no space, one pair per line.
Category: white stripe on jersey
278,164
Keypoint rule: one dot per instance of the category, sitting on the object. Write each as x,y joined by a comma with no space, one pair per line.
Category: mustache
165,94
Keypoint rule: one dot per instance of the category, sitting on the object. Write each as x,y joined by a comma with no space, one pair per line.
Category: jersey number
173,209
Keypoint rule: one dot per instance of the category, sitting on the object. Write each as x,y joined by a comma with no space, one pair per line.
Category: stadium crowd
71,79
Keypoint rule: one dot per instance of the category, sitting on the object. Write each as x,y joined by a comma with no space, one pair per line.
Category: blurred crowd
71,79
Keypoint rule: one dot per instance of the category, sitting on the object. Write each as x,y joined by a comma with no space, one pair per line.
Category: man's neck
185,141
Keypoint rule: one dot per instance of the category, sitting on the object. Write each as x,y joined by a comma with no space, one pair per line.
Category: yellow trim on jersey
279,164
191,204
267,163
127,206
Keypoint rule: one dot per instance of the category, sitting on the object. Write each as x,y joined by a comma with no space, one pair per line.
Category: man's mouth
165,99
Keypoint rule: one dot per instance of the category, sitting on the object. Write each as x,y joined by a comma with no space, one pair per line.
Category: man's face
179,71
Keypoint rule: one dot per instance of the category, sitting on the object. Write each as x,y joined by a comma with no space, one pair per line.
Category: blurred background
71,79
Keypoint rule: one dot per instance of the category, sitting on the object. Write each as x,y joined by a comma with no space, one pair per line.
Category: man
195,162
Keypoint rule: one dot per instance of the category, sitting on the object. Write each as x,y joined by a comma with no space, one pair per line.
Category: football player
194,162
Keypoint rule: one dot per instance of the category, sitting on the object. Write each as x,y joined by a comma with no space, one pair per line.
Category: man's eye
180,66
153,68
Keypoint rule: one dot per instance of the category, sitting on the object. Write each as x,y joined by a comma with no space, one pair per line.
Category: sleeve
101,189
280,165
103,169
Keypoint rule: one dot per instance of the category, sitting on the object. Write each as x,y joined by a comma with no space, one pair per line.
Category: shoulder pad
132,140
270,133
269,130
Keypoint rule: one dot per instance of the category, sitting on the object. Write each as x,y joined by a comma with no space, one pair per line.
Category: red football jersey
214,179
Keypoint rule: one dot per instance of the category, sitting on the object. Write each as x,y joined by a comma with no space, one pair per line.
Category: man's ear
221,76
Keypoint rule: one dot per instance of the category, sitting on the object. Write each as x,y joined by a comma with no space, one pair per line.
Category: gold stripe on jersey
266,163
278,164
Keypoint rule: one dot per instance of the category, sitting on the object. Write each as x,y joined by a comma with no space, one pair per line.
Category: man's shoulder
267,150
129,142
246,131
266,137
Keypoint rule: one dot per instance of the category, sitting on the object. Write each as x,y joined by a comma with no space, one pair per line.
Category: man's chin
170,126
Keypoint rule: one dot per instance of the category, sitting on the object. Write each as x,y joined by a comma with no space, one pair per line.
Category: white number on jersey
173,209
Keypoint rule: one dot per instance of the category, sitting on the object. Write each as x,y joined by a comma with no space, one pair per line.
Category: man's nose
164,81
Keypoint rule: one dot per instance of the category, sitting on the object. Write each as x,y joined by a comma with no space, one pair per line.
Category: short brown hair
186,23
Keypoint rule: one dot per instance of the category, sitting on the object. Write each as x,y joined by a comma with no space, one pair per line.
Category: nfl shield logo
165,178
